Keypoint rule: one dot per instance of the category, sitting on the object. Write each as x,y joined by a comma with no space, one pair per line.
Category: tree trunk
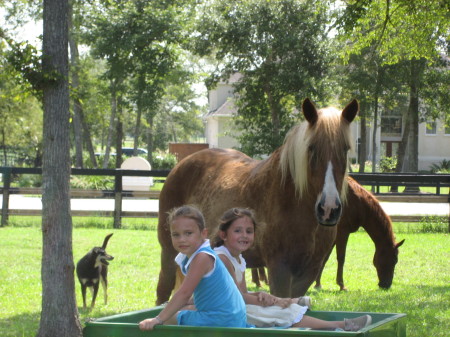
374,135
88,140
59,315
375,116
362,152
74,64
417,69
119,133
150,117
403,143
111,125
411,133
137,129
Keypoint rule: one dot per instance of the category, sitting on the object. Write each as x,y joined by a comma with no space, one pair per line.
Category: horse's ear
309,111
400,243
350,111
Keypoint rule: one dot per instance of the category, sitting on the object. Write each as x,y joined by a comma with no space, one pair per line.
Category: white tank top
239,267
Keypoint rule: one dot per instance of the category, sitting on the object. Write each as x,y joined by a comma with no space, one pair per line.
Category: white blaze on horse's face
328,204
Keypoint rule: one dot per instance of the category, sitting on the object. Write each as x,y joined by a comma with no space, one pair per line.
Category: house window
391,126
430,128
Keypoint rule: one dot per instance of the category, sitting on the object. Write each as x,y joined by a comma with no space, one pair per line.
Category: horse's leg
319,275
279,278
301,284
167,275
341,247
262,275
255,277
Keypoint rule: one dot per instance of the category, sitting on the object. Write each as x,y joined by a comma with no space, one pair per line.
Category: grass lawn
421,287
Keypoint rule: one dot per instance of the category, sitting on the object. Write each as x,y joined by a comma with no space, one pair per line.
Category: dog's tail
105,242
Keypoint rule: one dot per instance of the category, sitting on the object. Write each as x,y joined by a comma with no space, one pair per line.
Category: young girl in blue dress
235,235
217,301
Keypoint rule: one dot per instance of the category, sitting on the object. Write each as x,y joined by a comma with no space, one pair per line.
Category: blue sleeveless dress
217,298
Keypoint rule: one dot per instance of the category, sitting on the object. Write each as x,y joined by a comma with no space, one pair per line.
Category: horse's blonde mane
329,133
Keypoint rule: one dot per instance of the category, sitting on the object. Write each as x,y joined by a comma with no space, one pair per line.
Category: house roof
227,109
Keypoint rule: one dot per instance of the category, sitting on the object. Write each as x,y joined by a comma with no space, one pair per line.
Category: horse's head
316,154
384,261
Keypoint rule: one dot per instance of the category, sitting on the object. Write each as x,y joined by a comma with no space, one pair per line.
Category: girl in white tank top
235,235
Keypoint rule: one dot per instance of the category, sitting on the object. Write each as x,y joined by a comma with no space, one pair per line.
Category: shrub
92,182
27,180
442,167
163,161
388,164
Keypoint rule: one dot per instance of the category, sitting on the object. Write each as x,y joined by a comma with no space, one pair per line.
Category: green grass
401,189
421,287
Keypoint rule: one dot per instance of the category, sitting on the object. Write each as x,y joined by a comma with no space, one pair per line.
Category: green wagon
126,325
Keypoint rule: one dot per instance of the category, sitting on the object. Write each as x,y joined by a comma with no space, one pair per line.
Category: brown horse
296,193
364,210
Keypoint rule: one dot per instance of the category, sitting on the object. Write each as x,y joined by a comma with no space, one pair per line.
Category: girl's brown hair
227,219
187,211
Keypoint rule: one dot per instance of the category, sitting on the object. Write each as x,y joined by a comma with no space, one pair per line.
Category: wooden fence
440,183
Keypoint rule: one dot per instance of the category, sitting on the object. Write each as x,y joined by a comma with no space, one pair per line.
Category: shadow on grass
27,324
23,325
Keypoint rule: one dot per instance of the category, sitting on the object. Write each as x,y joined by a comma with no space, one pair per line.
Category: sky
29,32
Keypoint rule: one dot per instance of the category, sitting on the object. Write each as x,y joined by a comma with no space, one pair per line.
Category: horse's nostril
319,210
336,213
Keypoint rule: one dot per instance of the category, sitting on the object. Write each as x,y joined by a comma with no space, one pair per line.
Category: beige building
219,126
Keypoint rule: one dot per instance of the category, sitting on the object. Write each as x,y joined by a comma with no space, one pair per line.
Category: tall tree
59,315
138,46
399,30
280,48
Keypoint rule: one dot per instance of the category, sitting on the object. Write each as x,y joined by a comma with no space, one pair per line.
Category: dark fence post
5,202
118,199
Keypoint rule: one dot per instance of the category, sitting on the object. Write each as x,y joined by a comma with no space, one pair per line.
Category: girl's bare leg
315,323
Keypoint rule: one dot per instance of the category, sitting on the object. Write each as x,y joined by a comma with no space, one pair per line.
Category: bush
27,180
388,164
442,167
92,182
163,161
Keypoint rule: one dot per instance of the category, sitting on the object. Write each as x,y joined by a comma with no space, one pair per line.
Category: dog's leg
94,295
104,281
83,292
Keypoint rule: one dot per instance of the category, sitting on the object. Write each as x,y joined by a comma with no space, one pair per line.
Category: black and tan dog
93,269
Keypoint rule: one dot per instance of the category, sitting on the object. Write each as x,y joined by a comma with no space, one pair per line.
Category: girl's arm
200,266
262,299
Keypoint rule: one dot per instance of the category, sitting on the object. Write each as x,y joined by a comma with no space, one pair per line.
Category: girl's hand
265,299
283,302
148,324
